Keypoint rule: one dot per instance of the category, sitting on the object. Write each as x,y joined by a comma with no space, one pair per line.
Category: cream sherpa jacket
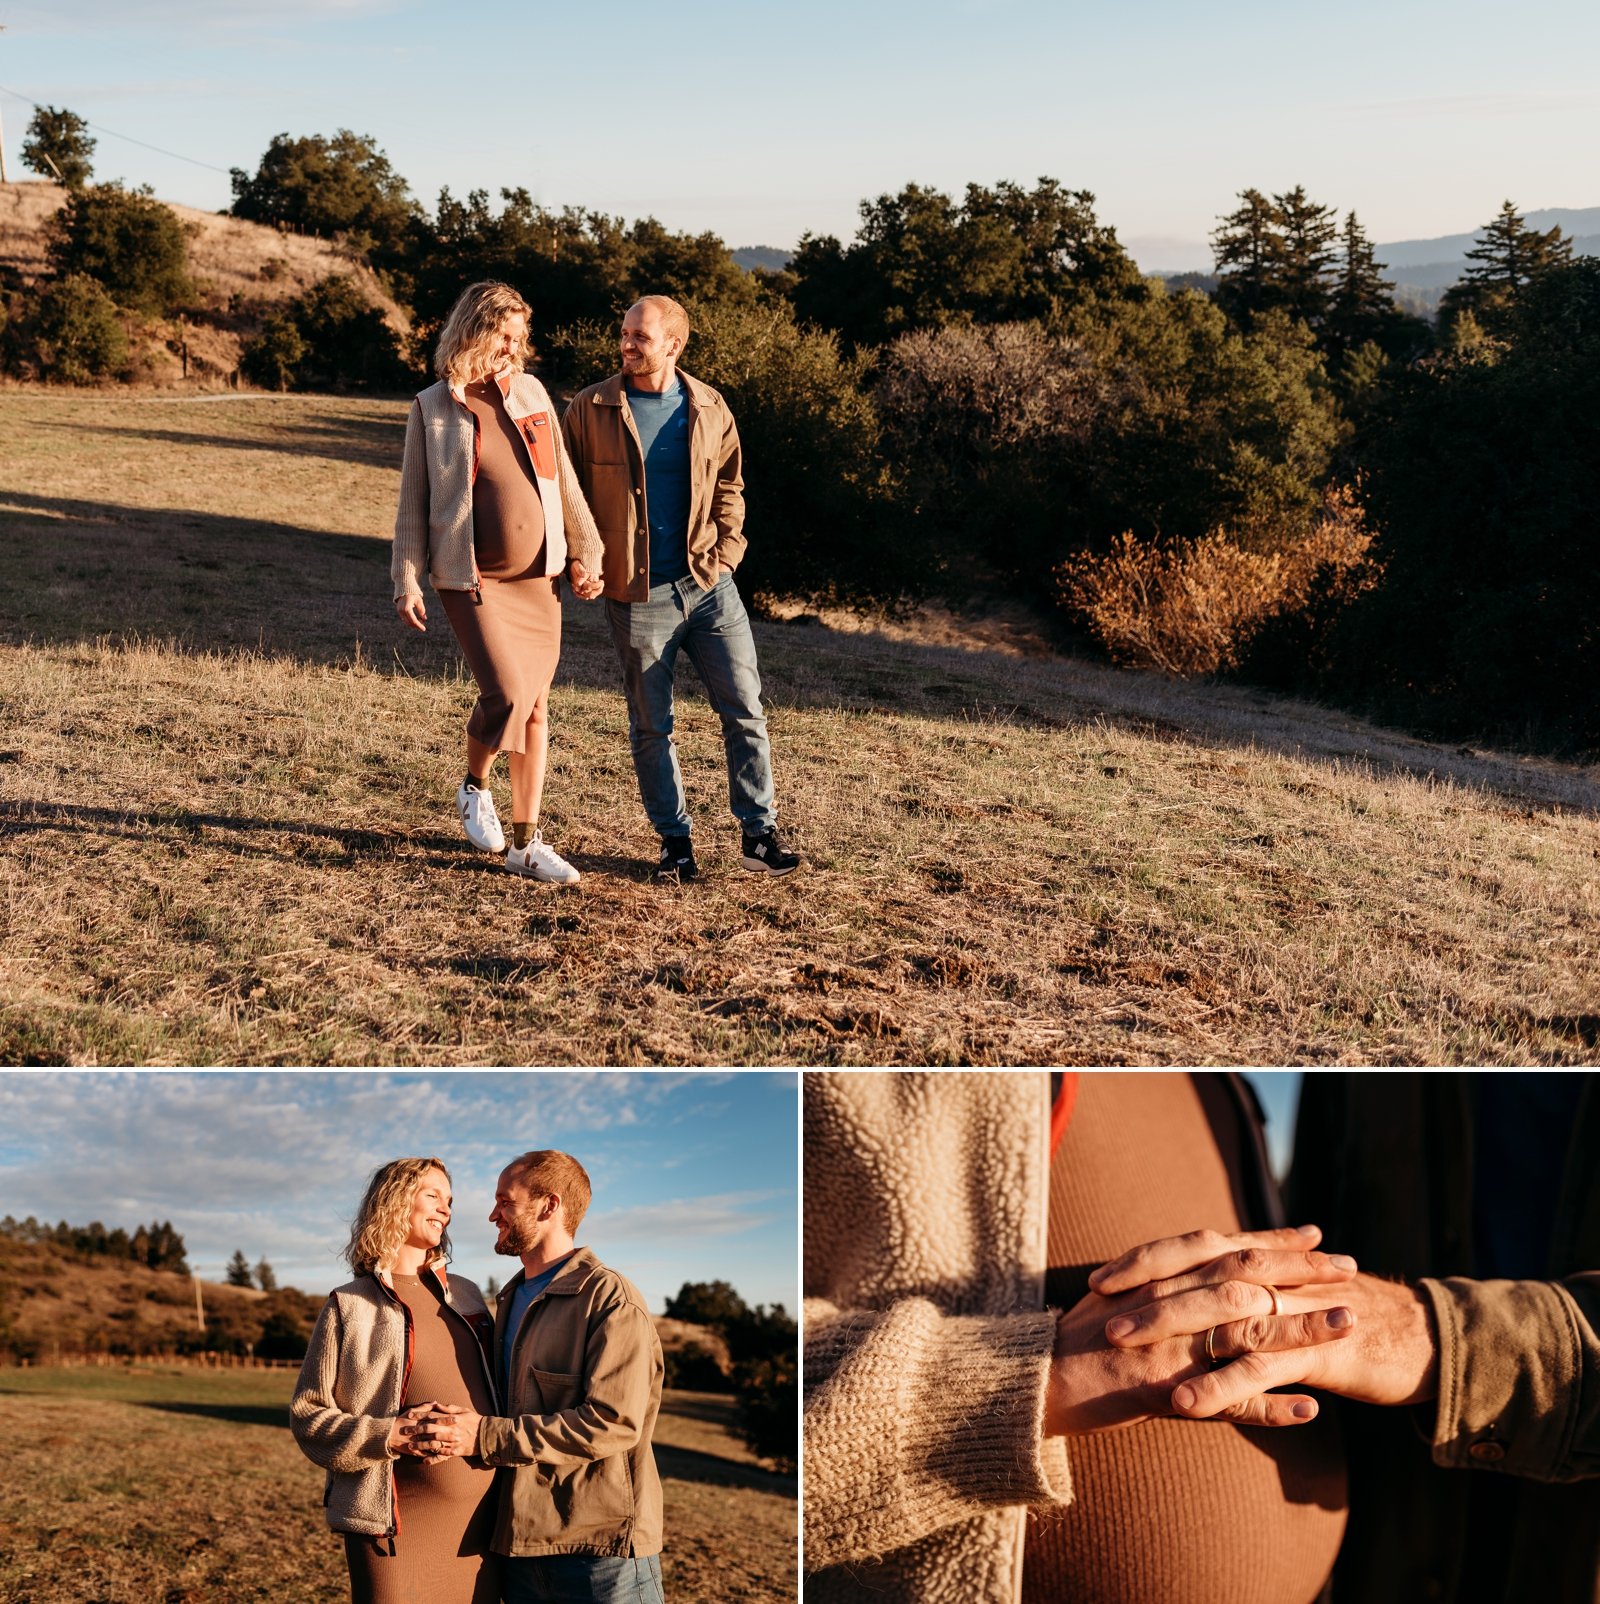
927,1344
352,1386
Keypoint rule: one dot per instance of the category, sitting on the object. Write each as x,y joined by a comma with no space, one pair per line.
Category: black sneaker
764,854
677,860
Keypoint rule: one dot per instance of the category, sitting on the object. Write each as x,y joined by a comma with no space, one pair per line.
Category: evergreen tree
1506,258
265,1279
239,1270
1362,304
58,145
1308,232
1249,251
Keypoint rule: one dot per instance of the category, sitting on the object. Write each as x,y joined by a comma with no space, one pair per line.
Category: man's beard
513,1241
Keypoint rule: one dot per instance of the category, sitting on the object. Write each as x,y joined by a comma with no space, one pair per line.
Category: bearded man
657,454
579,1369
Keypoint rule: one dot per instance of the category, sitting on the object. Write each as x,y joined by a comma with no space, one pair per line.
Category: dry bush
1192,609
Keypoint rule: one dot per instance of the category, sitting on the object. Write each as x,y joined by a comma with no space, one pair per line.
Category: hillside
242,270
1009,858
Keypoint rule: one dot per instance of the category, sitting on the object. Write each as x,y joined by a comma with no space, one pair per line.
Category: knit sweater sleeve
583,536
327,1435
915,1420
409,563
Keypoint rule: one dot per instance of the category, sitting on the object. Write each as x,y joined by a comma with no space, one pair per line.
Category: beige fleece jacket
433,524
351,1388
927,1343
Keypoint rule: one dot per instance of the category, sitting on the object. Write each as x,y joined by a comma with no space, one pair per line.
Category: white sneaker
478,818
542,862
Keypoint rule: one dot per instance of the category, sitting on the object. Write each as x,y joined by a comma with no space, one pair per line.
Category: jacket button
1488,1452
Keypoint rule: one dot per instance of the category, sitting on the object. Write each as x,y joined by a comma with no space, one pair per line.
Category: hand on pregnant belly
1122,1349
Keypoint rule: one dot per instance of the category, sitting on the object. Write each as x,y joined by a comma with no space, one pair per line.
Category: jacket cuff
495,1435
1510,1375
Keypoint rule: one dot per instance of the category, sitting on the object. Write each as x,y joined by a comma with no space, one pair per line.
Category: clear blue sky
695,1176
763,121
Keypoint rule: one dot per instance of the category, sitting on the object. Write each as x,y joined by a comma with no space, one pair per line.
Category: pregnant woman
399,1338
491,512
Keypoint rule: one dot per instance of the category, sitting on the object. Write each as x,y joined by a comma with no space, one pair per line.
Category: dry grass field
226,831
151,1485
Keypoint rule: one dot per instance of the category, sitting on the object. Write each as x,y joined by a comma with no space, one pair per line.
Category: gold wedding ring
1277,1302
1211,1348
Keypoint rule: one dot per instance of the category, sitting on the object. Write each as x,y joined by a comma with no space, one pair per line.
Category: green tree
265,1279
339,186
329,338
239,1270
1248,250
58,145
706,1303
127,240
77,331
1309,231
1505,259
1362,306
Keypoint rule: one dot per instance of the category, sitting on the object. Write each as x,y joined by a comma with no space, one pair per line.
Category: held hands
449,1430
1123,1348
585,586
404,1435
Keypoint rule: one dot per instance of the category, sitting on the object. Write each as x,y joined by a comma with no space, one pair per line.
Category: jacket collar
569,1278
385,1279
609,392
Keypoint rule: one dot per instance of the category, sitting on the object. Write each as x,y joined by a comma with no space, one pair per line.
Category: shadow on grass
238,1414
684,1464
369,442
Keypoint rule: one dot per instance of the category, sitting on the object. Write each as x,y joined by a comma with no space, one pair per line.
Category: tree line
1289,478
156,1246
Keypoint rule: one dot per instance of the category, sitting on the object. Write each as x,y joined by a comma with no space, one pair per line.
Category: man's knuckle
1256,1332
1251,1261
1239,1295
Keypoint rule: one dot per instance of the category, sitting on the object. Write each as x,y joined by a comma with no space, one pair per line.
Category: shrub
694,1368
127,240
769,1410
78,335
329,338
1193,607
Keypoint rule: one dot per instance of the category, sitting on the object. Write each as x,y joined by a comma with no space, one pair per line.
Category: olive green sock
521,834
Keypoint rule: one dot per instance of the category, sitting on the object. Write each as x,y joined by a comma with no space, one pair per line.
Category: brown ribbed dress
446,1511
1172,1511
510,631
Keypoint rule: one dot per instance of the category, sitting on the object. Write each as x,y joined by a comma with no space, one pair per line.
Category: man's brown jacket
1493,1493
584,1391
603,443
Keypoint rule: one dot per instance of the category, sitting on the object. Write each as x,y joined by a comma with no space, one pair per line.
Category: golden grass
226,775
142,1484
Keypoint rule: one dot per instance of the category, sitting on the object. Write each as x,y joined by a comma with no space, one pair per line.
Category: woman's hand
403,1434
1119,1354
585,586
411,610
451,1430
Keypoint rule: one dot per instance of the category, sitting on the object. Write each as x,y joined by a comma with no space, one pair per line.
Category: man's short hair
674,320
548,1172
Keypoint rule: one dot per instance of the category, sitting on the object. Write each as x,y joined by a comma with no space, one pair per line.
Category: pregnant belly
1193,1512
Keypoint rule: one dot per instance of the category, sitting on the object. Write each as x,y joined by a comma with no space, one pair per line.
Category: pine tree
1506,258
239,1270
1249,252
1308,232
1362,304
265,1279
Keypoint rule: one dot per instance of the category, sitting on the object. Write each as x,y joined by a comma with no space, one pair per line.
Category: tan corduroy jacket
585,1390
604,443
433,525
351,1389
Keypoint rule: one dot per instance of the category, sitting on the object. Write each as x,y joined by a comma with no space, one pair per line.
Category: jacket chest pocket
537,431
555,1390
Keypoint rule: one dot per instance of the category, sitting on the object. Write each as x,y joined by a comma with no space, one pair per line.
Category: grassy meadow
226,826
152,1485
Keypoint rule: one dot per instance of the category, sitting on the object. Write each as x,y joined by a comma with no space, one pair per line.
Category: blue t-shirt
520,1299
663,425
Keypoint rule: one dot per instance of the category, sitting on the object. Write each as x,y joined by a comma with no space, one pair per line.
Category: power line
100,129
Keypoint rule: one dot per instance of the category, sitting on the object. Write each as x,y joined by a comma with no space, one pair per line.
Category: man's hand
585,586
450,1431
1392,1358
1118,1357
412,611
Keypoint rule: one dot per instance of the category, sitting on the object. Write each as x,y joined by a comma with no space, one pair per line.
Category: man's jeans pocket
583,1579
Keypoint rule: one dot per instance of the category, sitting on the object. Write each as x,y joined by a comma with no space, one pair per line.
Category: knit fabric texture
927,1345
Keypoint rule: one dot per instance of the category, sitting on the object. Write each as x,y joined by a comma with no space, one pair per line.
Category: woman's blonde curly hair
383,1220
463,355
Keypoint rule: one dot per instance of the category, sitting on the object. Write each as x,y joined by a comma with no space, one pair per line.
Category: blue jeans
712,627
581,1579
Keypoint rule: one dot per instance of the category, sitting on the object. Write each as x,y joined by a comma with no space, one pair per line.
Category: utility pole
199,1308
3,178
